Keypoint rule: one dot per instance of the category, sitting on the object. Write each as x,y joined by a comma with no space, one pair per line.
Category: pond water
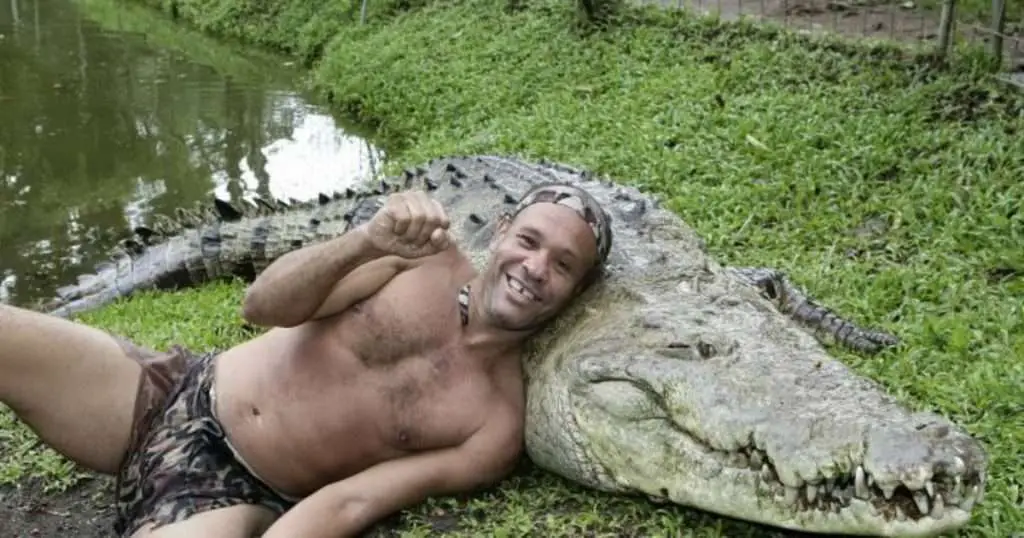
110,114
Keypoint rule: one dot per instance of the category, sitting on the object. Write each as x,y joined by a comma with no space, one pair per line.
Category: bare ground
870,18
87,511
899,20
27,511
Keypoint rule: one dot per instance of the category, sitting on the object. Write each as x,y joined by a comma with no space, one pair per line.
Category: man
391,374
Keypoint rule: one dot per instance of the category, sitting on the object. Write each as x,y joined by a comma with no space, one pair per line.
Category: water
110,114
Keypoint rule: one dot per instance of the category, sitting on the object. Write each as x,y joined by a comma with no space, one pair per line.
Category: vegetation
101,120
888,185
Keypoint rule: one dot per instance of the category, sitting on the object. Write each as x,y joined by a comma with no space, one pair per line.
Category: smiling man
391,373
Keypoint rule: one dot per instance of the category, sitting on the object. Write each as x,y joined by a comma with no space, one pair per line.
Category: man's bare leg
72,384
243,521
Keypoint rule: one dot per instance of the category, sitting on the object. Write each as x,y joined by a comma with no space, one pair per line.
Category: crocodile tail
202,244
127,274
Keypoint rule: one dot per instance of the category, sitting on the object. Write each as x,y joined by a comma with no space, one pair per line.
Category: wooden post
946,27
998,25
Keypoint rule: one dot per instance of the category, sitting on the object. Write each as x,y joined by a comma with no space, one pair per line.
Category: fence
938,26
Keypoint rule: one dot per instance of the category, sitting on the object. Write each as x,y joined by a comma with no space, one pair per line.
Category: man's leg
72,384
243,521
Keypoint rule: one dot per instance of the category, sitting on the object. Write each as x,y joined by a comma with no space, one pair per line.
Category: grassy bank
888,188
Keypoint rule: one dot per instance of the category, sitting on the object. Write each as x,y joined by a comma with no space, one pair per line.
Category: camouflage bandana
579,201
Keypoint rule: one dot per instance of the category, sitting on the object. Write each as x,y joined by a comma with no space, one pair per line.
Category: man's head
546,251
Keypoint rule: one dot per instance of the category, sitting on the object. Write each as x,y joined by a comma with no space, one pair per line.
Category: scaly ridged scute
675,377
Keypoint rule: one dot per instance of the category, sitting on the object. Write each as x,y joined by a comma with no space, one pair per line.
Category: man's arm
361,283
291,290
347,507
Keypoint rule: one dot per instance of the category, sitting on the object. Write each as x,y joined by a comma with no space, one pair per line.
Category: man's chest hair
411,315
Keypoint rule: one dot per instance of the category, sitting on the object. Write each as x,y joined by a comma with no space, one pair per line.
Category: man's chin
514,319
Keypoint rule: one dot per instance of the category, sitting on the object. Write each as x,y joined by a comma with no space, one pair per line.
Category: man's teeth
518,287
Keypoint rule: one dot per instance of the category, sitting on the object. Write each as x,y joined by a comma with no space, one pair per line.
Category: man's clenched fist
410,225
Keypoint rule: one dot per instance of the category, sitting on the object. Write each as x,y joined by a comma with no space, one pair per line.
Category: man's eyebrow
563,250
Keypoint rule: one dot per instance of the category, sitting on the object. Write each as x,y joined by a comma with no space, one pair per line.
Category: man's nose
536,267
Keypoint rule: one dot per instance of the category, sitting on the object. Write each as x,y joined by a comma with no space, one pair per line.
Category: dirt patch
899,20
868,18
87,511
84,511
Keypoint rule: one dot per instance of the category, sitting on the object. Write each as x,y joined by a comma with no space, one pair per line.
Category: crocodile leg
790,300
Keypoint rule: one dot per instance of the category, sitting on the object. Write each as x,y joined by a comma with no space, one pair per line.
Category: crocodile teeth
887,491
812,493
929,487
968,503
938,507
860,485
958,489
921,500
845,494
791,495
900,514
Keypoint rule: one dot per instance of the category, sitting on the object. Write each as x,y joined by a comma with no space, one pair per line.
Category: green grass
886,187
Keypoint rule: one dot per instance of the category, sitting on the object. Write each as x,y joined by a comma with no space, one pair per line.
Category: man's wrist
364,245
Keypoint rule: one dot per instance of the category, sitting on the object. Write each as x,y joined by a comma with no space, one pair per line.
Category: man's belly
297,431
302,413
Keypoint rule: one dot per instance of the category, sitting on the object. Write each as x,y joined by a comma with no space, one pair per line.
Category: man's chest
408,318
431,401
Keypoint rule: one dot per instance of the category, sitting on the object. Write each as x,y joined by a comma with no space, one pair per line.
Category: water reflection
110,114
316,158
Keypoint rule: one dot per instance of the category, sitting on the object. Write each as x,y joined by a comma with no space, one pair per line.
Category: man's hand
410,225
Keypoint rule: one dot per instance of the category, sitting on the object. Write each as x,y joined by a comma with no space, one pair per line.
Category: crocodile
673,378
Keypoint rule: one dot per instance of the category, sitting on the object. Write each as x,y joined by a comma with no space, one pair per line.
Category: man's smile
521,290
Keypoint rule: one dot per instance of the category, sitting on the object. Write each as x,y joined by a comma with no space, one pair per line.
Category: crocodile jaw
657,458
770,429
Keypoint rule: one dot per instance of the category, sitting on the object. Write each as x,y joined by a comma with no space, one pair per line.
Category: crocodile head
675,380
744,427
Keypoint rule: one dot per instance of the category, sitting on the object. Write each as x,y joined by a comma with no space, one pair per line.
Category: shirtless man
391,374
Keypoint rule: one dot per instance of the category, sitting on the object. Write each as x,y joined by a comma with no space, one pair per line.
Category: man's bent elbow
257,310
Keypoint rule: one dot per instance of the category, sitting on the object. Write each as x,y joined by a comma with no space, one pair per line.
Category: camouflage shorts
178,463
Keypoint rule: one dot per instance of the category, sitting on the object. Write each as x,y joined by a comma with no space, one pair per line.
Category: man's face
538,261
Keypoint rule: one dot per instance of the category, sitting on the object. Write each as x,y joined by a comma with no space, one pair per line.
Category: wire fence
939,26
935,24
